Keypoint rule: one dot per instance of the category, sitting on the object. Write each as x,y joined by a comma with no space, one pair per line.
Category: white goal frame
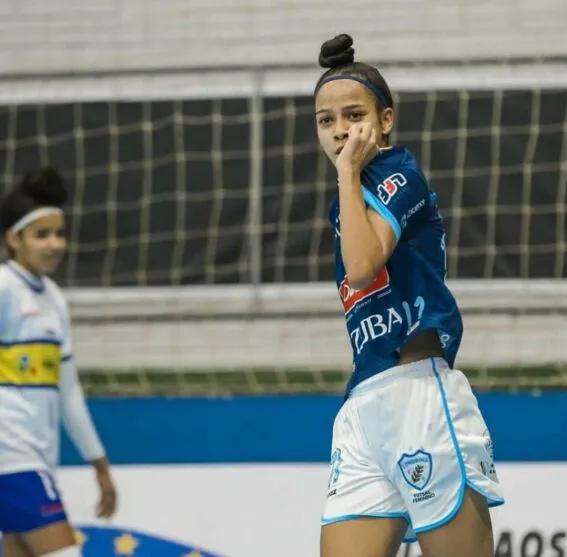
291,326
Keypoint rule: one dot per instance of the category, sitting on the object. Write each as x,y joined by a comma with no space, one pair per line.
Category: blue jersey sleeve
401,198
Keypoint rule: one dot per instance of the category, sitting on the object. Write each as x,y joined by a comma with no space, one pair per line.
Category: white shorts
406,443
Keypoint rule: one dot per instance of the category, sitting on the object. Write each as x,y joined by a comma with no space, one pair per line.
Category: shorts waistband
416,369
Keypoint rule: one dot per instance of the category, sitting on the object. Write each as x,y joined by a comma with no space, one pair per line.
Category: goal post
199,245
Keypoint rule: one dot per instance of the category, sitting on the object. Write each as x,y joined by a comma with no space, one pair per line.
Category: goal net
200,255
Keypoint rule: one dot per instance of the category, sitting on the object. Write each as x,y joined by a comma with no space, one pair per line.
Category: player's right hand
108,497
359,150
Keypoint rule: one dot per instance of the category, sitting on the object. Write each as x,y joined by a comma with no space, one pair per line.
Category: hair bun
337,52
44,186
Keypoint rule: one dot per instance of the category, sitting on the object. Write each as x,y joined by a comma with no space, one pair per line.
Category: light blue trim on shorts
345,517
492,501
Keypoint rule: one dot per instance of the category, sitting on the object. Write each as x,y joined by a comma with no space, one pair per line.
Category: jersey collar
33,281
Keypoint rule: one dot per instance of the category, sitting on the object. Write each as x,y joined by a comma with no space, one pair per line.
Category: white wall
529,328
306,343
69,35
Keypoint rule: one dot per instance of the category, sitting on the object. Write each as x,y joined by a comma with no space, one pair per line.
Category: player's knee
71,551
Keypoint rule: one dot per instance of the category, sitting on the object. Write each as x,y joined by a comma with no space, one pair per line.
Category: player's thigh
363,537
49,538
32,511
468,534
13,546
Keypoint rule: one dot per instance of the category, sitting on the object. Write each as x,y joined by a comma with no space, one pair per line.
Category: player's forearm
76,416
81,430
361,249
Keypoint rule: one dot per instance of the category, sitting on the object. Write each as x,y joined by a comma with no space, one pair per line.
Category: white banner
273,510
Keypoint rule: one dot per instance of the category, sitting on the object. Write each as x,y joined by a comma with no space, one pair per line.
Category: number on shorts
336,461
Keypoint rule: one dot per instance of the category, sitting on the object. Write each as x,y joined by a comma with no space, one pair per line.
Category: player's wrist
348,174
101,466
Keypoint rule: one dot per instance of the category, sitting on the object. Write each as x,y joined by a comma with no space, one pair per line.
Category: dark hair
39,188
338,55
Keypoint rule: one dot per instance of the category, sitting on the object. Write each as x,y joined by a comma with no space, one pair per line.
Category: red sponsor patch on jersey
389,187
351,297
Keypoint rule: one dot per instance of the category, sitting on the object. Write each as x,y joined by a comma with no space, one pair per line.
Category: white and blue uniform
39,387
409,438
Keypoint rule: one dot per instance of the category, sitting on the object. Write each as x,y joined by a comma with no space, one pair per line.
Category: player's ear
13,240
386,121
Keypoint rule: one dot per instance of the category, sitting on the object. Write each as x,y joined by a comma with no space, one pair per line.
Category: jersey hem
18,468
431,324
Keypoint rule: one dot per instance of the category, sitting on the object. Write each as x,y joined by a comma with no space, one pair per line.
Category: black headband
368,84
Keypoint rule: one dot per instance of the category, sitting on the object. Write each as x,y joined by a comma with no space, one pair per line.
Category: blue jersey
409,294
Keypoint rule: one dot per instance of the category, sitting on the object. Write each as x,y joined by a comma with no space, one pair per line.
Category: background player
38,379
410,447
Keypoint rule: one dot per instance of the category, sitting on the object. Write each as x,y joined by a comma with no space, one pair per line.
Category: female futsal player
38,379
411,453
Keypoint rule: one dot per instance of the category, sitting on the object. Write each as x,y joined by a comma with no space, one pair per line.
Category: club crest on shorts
416,469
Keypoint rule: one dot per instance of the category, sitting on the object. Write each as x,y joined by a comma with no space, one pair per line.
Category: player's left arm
367,241
79,425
